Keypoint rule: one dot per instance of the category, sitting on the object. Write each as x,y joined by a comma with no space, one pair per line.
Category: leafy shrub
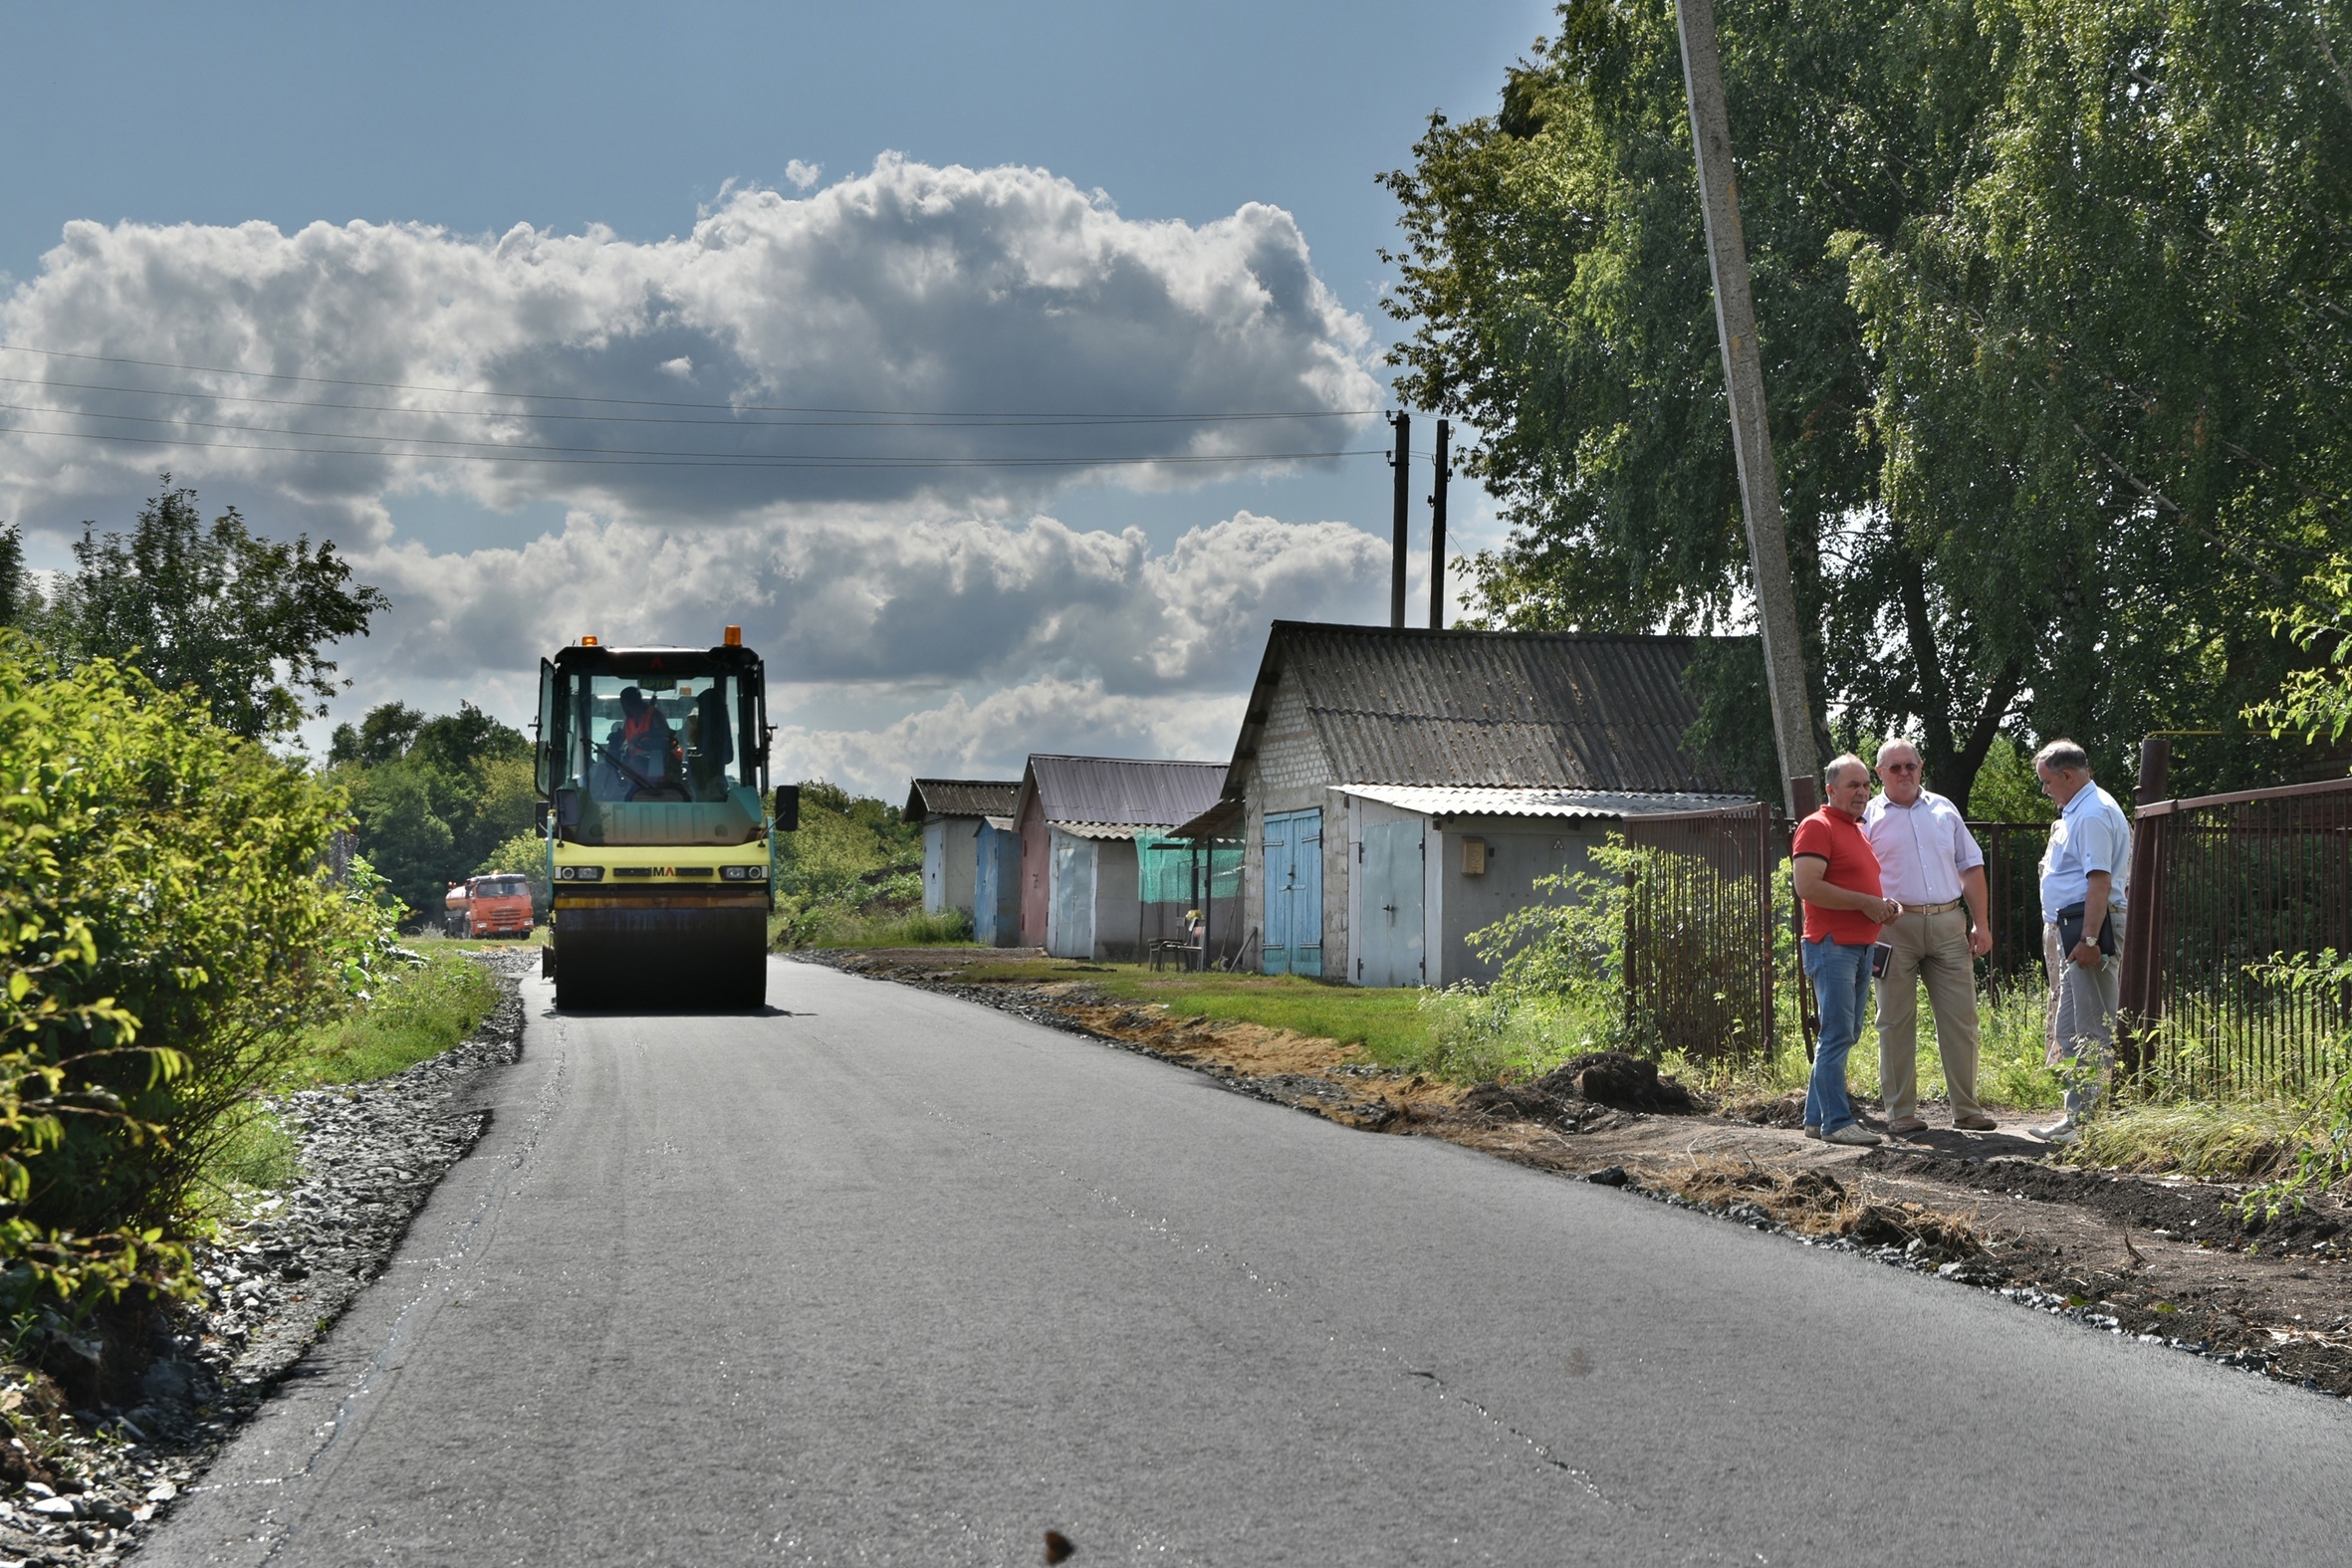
171,929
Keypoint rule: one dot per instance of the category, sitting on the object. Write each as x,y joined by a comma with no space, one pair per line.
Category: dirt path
2168,1260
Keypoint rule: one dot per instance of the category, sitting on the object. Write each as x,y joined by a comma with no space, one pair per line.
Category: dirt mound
1621,1082
2188,1211
1785,1110
1608,1079
1815,1203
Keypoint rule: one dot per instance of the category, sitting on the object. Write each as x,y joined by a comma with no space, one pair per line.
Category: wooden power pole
1402,460
1437,531
1751,437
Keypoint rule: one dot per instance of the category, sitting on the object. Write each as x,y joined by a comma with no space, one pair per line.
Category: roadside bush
172,929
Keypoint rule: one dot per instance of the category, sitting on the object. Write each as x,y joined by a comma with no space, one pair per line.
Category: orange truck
497,904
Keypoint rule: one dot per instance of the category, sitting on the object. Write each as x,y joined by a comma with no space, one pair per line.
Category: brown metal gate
2221,886
1699,927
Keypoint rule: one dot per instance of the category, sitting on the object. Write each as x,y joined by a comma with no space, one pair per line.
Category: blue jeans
1841,984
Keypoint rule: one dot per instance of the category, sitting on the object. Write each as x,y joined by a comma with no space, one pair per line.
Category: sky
891,332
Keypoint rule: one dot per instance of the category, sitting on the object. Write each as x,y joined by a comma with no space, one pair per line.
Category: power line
436,441
903,422
656,402
686,460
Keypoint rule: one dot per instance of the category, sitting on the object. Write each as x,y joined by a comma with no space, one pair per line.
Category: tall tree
242,620
1972,550
433,795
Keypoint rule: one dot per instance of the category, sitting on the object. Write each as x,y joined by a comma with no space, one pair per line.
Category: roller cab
653,764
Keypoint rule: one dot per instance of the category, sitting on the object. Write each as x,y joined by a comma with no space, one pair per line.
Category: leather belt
1931,909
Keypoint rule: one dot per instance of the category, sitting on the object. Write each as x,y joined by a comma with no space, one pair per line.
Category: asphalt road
890,1279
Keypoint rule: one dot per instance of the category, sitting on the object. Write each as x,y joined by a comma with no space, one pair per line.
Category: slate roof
1488,708
1120,792
1431,801
961,798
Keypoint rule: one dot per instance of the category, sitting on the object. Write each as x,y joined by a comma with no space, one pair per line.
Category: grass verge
1389,1024
830,926
2211,1140
416,1013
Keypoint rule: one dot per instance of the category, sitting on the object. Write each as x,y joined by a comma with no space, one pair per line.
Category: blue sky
631,126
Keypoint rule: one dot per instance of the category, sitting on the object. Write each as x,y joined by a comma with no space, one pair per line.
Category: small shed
953,812
995,883
1403,788
1078,819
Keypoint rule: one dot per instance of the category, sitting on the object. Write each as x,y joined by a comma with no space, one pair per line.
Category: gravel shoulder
2165,1260
276,1278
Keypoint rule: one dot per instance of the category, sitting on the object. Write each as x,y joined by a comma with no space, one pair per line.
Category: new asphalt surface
884,1277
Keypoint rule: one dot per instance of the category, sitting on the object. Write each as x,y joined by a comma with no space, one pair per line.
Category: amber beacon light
735,636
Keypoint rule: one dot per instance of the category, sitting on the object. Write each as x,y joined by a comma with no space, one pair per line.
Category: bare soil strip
2167,1260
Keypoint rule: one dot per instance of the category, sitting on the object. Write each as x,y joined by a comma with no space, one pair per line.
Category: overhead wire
695,460
658,402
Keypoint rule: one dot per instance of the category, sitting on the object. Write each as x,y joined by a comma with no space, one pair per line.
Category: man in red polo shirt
1837,877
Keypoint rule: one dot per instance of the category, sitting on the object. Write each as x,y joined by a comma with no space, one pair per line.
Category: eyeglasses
1898,767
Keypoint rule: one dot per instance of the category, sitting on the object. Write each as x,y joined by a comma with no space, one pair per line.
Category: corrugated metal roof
1121,791
1101,830
961,798
1488,708
1449,802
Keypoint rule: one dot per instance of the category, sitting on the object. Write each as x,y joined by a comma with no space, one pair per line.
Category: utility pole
1751,437
1436,532
1402,461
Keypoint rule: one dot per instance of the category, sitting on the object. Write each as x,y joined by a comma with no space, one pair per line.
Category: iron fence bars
1700,927
2012,897
2221,886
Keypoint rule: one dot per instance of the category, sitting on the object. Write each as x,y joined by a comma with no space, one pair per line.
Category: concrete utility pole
1402,461
1437,532
1751,437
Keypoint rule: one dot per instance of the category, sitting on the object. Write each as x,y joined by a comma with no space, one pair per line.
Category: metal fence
2221,887
1700,927
1710,955
2012,897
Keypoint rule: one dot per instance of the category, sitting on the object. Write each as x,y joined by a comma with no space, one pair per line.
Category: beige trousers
1933,948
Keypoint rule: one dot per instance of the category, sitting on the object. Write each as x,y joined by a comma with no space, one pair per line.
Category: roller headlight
580,873
744,873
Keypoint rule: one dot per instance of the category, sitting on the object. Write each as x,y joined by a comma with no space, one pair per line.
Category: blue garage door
1295,893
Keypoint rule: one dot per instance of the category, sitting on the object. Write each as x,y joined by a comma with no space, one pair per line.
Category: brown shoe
1906,1126
1976,1121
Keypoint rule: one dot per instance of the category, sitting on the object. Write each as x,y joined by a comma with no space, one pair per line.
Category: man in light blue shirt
2085,872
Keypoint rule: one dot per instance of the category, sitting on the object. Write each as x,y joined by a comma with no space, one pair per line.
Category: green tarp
1165,868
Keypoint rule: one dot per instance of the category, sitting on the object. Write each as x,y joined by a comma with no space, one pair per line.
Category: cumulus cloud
746,424
963,637
838,602
912,291
991,738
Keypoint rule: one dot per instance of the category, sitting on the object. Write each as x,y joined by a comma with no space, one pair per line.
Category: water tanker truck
495,905
654,767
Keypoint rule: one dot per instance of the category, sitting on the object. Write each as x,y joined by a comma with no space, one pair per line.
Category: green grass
2011,1074
828,927
1389,1024
416,1012
2213,1140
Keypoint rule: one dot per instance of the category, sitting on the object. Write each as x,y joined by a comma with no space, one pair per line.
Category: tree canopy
2053,303
241,621
434,795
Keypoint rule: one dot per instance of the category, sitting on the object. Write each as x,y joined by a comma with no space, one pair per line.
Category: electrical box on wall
1474,857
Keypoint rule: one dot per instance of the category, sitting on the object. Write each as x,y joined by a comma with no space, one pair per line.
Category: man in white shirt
1929,864
2084,874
